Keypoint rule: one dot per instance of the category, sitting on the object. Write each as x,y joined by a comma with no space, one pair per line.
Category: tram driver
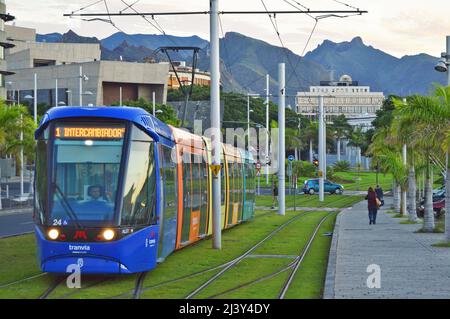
96,193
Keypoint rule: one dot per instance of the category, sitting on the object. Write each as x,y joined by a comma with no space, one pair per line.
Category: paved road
410,266
15,224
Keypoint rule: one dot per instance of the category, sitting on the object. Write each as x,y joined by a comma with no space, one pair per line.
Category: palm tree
388,156
402,130
310,135
13,121
431,121
357,140
341,130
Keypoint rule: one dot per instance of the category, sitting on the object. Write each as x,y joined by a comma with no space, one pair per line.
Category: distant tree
168,114
13,121
341,129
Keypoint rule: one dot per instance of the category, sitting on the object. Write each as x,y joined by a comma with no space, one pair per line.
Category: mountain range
245,61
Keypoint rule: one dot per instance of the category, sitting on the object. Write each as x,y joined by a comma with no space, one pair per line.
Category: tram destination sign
79,132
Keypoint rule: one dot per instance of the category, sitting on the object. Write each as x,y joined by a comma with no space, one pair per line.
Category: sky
398,27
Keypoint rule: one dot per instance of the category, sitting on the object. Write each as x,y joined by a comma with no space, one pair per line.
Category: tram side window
140,186
187,200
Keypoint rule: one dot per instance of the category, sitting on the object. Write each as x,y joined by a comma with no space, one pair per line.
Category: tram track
293,267
300,259
139,283
56,281
244,255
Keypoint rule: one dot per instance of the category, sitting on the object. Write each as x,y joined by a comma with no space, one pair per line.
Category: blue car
311,187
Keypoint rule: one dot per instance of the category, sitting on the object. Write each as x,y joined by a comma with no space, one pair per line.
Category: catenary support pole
281,141
215,120
81,86
35,98
154,104
267,125
56,93
321,150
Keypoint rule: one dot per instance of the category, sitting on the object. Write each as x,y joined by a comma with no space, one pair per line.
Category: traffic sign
258,165
216,169
291,158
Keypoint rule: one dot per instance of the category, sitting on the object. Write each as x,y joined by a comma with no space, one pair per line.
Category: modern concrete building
72,73
345,96
4,17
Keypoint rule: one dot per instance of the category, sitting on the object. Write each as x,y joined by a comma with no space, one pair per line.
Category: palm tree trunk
396,197
311,159
339,149
447,205
412,194
359,157
428,225
404,210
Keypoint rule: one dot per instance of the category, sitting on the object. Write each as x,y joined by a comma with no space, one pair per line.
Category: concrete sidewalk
410,266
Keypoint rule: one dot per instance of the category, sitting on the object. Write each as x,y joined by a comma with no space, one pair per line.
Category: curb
332,261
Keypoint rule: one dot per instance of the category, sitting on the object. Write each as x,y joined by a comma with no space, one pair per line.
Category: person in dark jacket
380,195
372,205
275,195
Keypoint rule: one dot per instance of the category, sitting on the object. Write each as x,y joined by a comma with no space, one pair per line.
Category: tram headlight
108,234
53,234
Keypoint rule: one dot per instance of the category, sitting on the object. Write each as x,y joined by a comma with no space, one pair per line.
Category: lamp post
69,93
82,77
248,117
443,65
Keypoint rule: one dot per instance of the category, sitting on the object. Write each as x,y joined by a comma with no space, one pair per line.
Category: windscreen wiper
70,212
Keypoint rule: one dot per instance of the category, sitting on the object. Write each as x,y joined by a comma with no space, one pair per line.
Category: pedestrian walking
372,206
275,195
380,194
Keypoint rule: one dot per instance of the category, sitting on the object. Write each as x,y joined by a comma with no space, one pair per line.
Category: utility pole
120,96
267,126
154,103
281,141
35,98
321,150
56,93
248,122
215,121
81,85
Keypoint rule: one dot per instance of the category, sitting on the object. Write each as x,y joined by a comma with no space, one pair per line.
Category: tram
117,190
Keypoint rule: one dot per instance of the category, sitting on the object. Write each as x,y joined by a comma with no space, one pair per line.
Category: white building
345,96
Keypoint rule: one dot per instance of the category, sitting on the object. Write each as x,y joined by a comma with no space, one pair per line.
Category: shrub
342,166
304,169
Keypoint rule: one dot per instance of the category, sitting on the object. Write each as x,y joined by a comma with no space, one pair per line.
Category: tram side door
168,231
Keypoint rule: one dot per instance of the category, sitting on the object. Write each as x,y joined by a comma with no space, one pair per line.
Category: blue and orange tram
121,190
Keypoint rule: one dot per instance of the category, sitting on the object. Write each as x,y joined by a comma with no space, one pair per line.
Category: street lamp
443,66
69,93
248,115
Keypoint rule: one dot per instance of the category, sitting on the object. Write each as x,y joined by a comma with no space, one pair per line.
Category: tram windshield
85,173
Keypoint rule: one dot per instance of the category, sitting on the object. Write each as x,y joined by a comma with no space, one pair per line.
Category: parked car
311,187
438,208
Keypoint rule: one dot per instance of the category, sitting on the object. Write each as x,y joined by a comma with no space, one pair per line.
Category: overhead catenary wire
110,20
296,7
226,48
346,4
283,46
154,25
